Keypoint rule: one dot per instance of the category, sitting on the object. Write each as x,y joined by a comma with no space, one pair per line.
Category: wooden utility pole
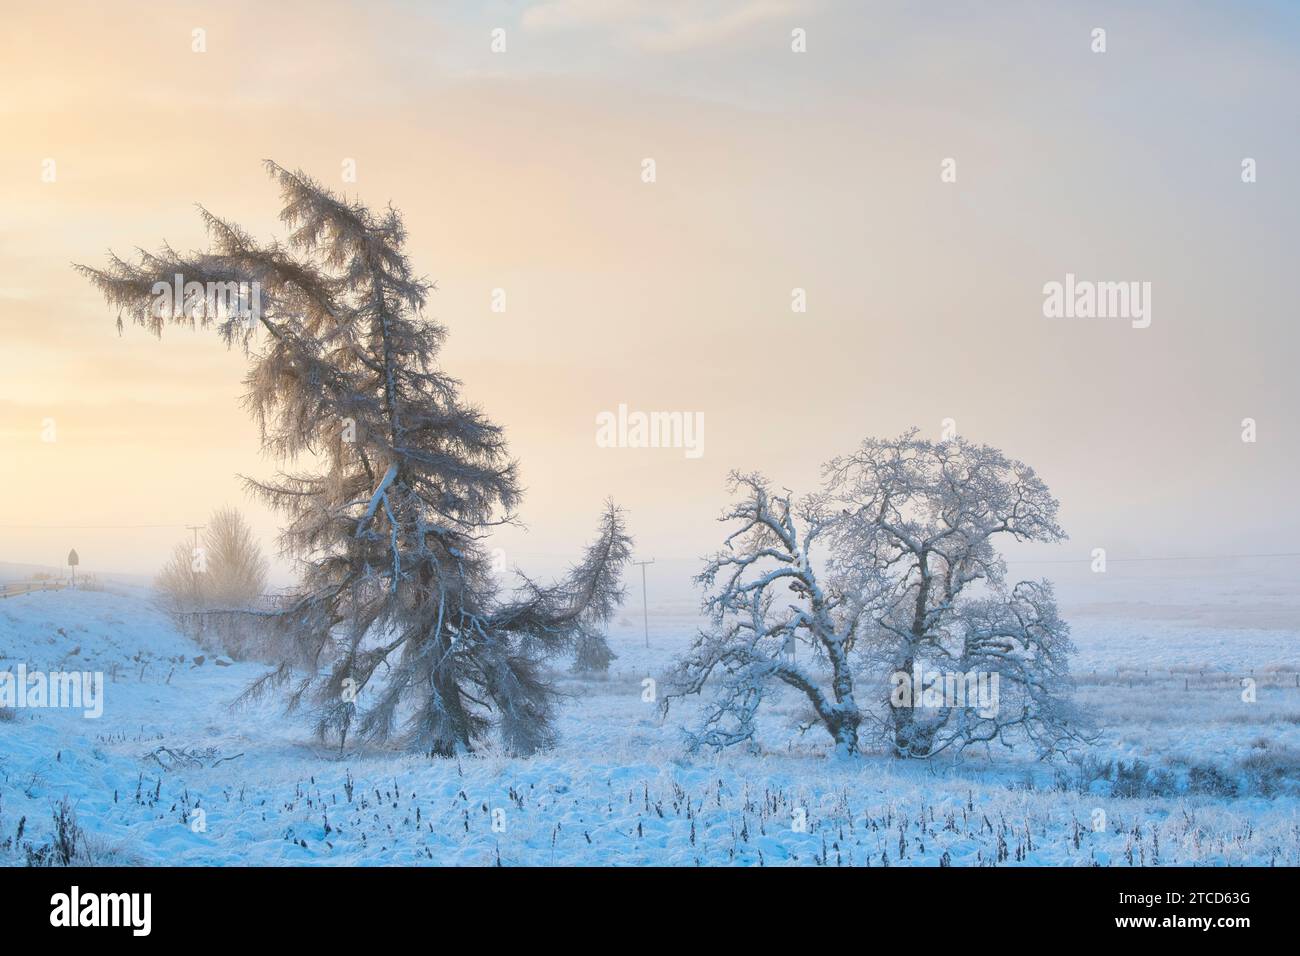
194,552
645,606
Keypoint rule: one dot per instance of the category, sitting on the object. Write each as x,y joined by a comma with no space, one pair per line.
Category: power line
85,527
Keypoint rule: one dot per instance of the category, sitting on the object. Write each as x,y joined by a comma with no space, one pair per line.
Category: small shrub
1130,779
66,832
1211,781
593,654
1090,770
68,844
1268,773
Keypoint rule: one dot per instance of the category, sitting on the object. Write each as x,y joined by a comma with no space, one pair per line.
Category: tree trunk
911,739
455,720
846,717
845,731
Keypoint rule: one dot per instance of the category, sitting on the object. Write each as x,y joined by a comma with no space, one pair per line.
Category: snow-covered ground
1218,783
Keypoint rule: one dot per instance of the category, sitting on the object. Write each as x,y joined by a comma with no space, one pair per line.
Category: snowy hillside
170,774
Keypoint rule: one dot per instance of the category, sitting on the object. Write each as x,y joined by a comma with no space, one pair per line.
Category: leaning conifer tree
397,630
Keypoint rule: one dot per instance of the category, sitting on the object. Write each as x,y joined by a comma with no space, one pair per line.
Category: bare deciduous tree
179,583
210,589
908,582
227,571
236,569
917,534
766,597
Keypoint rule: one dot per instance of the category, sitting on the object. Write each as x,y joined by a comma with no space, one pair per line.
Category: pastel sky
775,170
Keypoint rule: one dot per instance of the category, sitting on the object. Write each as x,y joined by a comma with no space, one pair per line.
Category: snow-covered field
170,774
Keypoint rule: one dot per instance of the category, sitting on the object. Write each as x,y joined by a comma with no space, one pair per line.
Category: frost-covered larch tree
397,630
916,538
